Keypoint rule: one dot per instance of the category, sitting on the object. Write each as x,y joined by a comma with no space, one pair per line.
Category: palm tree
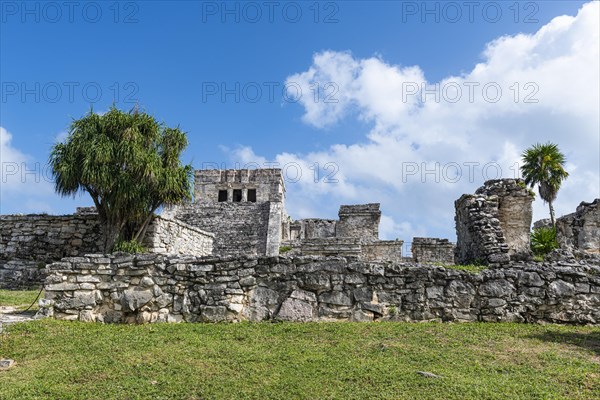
543,165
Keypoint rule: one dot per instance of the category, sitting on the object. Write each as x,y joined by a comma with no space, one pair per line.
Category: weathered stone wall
432,250
239,228
150,288
379,250
22,274
361,221
514,212
478,232
312,228
28,242
345,247
267,182
382,250
48,237
169,236
581,229
493,225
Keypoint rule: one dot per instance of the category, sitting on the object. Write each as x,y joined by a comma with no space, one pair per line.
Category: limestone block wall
28,242
432,250
312,228
239,228
22,274
348,247
157,288
268,184
493,225
478,232
382,250
581,229
514,212
175,237
360,221
42,237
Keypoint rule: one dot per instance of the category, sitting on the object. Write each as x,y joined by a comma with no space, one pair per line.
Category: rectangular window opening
222,195
252,195
237,195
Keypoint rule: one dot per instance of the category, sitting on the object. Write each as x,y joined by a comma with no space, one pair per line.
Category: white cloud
549,85
23,181
61,137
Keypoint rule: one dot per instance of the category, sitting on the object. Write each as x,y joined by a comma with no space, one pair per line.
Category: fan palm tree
543,165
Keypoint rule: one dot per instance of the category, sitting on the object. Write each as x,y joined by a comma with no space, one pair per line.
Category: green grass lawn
21,299
72,360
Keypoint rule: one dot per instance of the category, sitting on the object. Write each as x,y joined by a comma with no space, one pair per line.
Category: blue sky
169,55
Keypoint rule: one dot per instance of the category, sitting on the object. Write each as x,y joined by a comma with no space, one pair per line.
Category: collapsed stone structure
580,230
493,225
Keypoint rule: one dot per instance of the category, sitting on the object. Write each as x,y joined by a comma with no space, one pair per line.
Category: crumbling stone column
580,230
493,225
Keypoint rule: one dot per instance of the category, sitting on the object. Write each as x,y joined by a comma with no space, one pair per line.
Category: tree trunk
139,236
552,214
111,234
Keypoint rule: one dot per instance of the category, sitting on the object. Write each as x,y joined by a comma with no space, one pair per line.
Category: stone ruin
580,230
432,250
234,254
245,209
493,225
169,288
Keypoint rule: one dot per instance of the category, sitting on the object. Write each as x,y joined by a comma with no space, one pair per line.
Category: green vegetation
284,249
128,163
129,246
72,360
543,241
473,268
543,165
21,299
524,186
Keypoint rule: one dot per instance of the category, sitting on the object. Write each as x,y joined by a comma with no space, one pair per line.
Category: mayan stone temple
234,254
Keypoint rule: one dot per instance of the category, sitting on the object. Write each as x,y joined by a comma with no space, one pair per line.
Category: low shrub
543,241
129,246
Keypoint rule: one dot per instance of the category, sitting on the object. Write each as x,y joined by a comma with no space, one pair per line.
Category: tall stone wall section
28,242
239,228
493,225
48,237
581,229
154,288
479,236
514,213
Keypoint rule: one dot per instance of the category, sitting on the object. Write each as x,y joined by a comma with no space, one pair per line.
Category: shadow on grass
589,341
